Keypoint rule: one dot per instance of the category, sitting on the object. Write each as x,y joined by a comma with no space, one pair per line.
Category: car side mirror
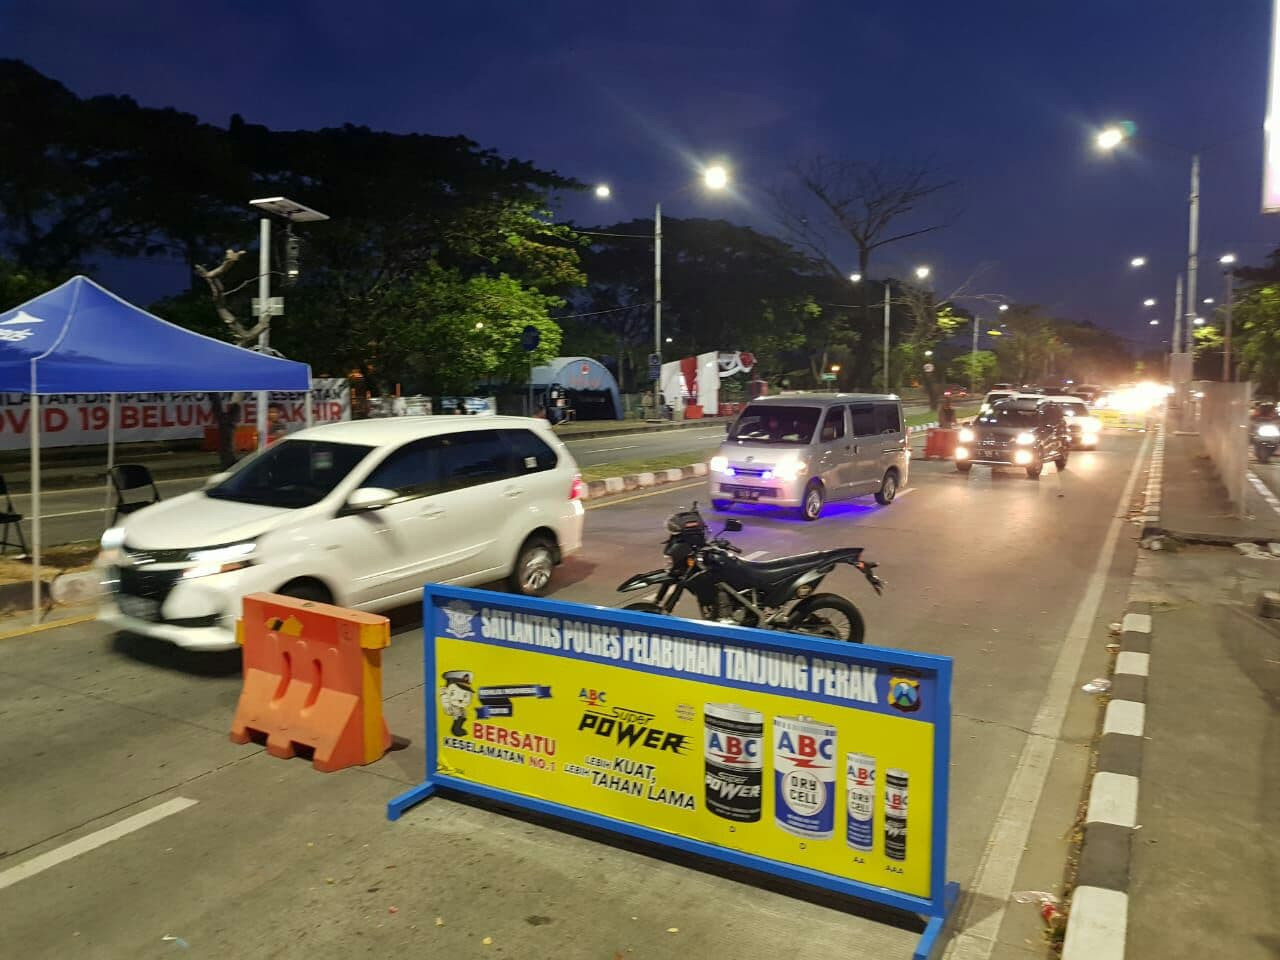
217,478
367,499
733,525
728,428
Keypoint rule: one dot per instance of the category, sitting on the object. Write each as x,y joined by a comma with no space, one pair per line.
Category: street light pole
264,299
973,359
1177,305
886,336
1193,242
657,307
1227,375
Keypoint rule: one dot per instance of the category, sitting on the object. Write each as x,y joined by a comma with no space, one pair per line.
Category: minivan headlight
966,435
718,464
790,467
1269,430
215,560
1025,439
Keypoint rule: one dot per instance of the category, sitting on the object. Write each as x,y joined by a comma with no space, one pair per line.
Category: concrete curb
1155,486
1099,914
610,486
704,422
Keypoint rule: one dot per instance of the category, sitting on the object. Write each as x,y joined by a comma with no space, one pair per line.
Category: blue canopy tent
593,392
82,338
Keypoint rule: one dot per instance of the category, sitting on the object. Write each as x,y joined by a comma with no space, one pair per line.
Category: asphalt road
1015,579
74,515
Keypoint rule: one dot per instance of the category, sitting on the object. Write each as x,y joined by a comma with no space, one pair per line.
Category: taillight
576,490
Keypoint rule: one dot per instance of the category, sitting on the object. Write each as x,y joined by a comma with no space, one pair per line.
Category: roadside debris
1097,685
1055,920
1253,551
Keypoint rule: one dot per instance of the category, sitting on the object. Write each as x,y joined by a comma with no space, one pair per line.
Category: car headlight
790,467
966,435
1025,439
1089,424
718,464
112,538
1269,430
207,563
962,453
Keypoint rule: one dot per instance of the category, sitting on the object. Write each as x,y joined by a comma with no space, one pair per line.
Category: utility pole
264,300
886,336
1193,242
1227,376
973,359
657,307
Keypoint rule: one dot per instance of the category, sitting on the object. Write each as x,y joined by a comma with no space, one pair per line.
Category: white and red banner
74,419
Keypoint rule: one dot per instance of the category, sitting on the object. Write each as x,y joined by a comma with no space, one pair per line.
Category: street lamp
1228,260
922,273
1109,139
855,278
1149,302
603,192
1004,308
928,353
1154,322
715,177
1207,300
1199,321
291,212
1137,262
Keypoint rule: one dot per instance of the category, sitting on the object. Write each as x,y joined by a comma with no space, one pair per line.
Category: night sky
1002,96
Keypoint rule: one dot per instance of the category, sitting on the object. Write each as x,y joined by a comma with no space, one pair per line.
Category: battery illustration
804,776
734,753
860,787
895,814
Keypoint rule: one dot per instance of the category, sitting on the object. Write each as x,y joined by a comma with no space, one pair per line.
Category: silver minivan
804,450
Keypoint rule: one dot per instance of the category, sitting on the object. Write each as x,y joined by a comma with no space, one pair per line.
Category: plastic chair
131,476
10,519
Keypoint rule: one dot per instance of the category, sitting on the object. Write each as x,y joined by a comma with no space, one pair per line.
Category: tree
18,285
1256,320
973,368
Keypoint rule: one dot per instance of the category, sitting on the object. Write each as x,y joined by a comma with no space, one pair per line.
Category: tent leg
263,400
311,399
111,460
36,605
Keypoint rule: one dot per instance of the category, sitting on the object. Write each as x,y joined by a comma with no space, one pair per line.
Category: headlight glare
1025,439
790,467
719,464
966,435
1269,430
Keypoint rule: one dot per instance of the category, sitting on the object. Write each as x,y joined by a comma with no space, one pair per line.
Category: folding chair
131,476
10,518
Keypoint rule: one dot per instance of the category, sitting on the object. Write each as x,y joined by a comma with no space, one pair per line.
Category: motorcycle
772,594
1264,435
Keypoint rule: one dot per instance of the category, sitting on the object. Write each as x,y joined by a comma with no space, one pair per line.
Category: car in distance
1082,424
360,514
805,450
1025,431
995,396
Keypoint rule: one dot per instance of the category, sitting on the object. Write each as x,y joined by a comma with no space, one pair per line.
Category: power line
597,313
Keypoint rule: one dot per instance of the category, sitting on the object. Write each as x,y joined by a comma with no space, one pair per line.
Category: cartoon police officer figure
455,697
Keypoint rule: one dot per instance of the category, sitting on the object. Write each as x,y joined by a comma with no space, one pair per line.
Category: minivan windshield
776,423
291,474
1008,415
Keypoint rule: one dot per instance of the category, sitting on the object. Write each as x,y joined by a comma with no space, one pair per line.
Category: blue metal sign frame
935,908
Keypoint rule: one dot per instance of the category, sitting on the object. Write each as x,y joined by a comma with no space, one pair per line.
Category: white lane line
92,841
993,881
756,555
630,446
903,493
614,501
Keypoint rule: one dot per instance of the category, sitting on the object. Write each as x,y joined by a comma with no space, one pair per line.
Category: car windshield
1008,415
776,423
1073,409
1265,411
291,474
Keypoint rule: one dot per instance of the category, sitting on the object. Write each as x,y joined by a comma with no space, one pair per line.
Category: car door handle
512,492
432,511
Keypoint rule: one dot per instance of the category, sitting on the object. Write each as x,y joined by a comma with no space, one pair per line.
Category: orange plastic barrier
939,444
312,678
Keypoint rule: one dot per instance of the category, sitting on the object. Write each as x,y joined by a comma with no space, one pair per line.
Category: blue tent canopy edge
580,374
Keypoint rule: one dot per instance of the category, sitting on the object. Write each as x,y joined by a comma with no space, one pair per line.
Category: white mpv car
360,514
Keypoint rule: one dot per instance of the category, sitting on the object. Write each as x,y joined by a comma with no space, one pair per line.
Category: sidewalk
1195,506
1206,852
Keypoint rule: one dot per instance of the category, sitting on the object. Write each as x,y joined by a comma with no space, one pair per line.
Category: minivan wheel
1033,471
964,466
888,488
534,566
721,505
311,590
811,507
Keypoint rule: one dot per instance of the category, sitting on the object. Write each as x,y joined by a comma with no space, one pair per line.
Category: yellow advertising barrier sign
807,758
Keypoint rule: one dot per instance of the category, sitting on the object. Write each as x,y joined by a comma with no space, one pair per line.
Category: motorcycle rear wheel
828,615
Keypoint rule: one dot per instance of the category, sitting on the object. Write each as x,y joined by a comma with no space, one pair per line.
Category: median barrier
940,444
312,678
786,754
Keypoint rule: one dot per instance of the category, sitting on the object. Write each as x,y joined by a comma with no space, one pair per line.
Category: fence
1222,414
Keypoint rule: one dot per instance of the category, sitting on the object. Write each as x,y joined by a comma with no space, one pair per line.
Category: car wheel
312,590
964,466
811,508
534,565
1061,462
888,488
721,505
1033,471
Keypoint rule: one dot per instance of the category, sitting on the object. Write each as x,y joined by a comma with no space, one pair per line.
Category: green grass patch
620,468
931,416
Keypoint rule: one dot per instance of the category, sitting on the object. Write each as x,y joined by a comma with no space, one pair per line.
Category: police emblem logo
904,694
460,616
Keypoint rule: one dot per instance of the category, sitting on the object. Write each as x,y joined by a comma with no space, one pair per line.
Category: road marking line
93,840
993,880
630,446
903,493
640,496
755,556
50,625
1113,798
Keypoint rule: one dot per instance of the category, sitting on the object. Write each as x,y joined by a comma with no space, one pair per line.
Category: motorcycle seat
769,572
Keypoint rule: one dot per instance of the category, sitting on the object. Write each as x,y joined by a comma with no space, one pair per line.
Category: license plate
746,494
140,608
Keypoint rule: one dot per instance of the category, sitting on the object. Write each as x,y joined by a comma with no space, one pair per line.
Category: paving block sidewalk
1195,508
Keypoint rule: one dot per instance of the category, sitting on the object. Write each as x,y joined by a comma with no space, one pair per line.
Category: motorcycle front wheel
1262,453
828,615
644,607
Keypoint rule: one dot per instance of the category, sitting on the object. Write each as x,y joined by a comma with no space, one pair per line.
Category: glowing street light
479,324
1137,262
1004,307
1149,302
922,273
603,192
715,177
928,353
1207,300
1109,138
1227,258
835,368
1154,322
855,278
1199,321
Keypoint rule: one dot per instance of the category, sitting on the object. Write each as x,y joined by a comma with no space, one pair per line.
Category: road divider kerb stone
595,489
